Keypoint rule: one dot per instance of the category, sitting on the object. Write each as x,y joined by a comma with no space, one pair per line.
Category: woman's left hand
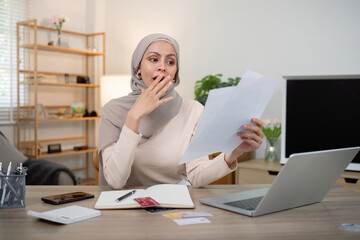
252,139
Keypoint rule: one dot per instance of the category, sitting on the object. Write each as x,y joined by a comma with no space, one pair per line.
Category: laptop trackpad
230,201
222,199
247,204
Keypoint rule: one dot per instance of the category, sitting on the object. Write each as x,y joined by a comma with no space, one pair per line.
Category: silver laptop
305,179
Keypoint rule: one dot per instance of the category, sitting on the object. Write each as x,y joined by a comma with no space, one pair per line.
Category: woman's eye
153,59
170,62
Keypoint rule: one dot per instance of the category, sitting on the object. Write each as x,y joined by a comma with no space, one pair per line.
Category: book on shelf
44,78
167,195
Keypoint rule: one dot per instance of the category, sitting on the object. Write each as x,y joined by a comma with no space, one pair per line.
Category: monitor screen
321,113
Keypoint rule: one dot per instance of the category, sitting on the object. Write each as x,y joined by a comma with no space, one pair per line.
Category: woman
144,135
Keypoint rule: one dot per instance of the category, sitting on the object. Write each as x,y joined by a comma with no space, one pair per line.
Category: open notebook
167,195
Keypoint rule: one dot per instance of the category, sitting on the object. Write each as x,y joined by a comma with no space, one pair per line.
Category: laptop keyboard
248,204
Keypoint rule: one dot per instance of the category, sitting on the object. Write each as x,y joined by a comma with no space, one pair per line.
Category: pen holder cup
12,191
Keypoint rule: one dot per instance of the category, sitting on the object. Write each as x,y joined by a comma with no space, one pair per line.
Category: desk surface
316,221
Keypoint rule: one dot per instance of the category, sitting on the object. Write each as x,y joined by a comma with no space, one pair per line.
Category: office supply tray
12,190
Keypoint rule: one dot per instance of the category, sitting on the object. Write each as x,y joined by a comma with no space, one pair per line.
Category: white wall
273,37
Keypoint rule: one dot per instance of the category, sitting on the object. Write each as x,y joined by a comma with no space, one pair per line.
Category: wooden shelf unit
35,48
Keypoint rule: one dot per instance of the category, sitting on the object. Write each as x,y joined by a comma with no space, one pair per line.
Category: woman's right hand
148,101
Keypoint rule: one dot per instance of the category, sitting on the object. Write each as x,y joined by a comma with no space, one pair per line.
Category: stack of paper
226,110
67,215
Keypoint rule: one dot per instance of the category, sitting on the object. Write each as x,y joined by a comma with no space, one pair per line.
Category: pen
1,173
4,191
125,196
18,186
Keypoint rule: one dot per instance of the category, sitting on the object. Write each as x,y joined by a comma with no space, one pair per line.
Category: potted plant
203,86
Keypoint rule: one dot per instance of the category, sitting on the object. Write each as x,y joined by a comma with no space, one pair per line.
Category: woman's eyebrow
158,54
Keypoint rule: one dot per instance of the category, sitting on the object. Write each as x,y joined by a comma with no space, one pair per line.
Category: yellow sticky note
172,215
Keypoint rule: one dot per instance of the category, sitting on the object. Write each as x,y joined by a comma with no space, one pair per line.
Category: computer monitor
321,113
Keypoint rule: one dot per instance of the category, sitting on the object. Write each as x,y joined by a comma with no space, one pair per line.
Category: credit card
146,202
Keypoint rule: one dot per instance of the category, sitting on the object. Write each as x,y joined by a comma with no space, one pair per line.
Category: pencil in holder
12,190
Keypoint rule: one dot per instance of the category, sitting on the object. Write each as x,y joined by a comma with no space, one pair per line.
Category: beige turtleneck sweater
135,161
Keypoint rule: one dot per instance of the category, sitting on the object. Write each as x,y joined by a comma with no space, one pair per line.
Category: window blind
11,11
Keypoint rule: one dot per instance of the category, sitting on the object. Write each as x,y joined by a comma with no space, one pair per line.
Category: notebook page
171,194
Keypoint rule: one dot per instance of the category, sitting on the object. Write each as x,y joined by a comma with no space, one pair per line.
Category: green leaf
209,82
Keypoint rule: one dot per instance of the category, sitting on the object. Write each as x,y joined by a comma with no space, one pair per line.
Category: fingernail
168,77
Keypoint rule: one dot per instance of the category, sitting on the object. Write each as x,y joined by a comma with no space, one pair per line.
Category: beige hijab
114,113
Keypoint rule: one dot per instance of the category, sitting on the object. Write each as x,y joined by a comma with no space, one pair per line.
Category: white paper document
226,110
190,221
66,215
194,214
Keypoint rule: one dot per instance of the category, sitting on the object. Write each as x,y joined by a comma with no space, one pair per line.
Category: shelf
28,24
55,140
78,169
31,25
60,119
61,49
52,73
65,153
64,84
69,84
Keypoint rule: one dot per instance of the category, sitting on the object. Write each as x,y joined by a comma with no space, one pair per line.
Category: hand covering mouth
154,78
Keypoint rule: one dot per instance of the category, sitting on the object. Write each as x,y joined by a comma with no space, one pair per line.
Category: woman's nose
161,66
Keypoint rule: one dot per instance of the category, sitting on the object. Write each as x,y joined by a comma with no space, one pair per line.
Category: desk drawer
254,176
354,186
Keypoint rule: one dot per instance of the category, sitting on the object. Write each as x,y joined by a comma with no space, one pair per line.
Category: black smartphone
66,197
